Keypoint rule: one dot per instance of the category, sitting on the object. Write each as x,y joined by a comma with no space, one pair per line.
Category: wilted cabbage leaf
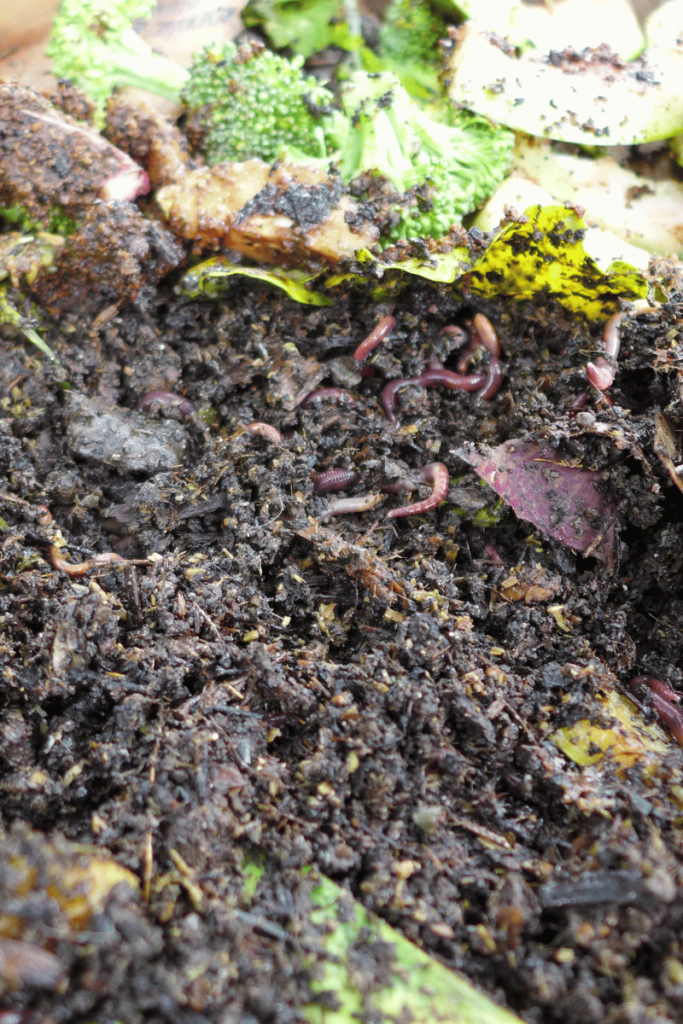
539,254
207,280
628,738
545,253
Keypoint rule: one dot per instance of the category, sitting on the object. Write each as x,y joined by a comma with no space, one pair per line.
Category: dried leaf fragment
563,500
665,448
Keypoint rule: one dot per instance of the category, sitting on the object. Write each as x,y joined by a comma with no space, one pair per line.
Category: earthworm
376,335
360,503
454,381
404,483
459,336
661,696
328,394
265,430
670,715
494,378
388,396
483,335
611,337
463,363
429,379
435,473
600,374
77,569
487,334
493,556
578,402
334,480
165,403
45,517
656,686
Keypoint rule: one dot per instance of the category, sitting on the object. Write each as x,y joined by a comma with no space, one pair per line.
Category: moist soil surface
376,699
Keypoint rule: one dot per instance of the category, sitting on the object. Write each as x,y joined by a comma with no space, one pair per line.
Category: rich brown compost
356,692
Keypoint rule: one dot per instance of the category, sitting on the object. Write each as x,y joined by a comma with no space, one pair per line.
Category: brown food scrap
115,252
149,138
636,192
291,215
78,879
360,563
55,161
291,378
533,586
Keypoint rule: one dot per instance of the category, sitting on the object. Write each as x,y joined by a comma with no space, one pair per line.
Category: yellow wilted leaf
628,739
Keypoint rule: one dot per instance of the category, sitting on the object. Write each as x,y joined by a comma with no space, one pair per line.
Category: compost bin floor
377,698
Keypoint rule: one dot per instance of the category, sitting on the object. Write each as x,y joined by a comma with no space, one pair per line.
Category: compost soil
376,699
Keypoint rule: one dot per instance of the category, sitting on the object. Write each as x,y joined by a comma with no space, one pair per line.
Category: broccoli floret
248,102
56,221
93,44
409,43
440,171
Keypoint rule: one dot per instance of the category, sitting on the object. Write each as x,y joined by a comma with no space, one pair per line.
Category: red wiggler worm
661,697
494,378
487,334
334,480
165,403
376,335
435,473
265,430
600,374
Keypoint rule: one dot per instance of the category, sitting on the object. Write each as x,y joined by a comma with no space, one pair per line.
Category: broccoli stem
134,63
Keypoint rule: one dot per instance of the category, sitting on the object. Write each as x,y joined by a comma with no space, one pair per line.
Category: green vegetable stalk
93,44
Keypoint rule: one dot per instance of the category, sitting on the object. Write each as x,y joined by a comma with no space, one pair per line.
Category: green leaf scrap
307,26
208,279
415,988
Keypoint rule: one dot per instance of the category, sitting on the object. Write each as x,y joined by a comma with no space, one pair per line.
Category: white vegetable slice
642,211
575,23
593,101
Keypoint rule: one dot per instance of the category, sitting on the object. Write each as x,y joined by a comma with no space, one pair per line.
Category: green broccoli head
440,171
248,102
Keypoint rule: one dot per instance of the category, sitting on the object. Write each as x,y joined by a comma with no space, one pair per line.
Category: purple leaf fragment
566,502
